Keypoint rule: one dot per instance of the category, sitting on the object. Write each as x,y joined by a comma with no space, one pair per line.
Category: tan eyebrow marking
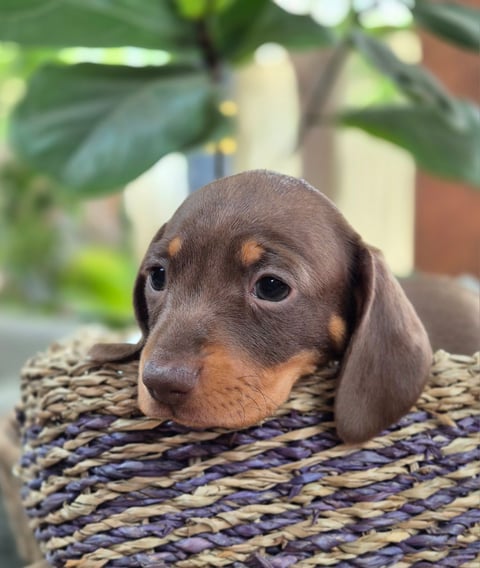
251,252
337,330
174,246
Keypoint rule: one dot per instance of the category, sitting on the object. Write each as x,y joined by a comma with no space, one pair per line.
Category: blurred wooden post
447,228
318,149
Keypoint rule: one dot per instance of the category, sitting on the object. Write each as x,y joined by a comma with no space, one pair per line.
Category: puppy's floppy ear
387,361
118,352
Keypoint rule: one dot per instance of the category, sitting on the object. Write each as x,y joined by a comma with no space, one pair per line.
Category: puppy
255,281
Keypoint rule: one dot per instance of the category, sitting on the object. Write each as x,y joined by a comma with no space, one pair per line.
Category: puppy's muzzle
169,384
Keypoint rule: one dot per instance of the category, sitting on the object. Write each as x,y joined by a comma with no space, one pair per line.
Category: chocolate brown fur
213,354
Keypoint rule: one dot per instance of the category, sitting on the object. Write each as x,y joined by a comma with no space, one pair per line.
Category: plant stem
211,58
213,64
323,89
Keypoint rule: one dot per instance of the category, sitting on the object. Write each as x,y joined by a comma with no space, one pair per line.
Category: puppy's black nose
169,384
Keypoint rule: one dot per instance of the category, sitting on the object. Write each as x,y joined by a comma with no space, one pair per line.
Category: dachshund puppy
255,281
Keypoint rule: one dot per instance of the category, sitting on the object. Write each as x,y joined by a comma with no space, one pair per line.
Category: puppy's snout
169,384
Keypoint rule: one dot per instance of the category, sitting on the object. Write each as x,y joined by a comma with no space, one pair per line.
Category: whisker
265,396
242,377
252,399
243,410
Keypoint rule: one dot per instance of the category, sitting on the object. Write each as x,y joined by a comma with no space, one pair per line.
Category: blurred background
112,112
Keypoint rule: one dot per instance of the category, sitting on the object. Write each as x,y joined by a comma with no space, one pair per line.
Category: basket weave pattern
104,486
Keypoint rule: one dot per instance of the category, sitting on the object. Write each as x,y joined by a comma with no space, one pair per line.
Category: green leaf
413,80
97,283
196,9
456,23
95,23
96,127
192,9
247,24
15,8
436,145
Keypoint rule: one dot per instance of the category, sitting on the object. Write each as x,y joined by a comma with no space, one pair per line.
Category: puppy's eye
271,289
158,278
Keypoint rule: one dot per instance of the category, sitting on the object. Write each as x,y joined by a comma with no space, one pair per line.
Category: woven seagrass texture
104,486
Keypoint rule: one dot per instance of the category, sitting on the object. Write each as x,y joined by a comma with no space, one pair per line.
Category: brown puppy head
255,280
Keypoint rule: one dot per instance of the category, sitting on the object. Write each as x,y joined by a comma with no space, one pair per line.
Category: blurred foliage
45,264
30,247
96,126
104,88
97,284
450,21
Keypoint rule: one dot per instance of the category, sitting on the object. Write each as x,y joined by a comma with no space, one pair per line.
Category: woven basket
104,486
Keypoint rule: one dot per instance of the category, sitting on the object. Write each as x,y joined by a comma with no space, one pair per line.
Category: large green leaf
96,127
247,24
454,22
94,23
436,144
414,81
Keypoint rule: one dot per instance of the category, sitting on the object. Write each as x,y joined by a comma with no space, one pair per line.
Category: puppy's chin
199,415
152,408
200,421
234,403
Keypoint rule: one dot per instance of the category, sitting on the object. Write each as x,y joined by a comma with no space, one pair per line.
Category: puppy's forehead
251,199
252,210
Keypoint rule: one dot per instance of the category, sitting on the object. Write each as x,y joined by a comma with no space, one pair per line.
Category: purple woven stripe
268,430
361,460
205,449
440,538
455,558
434,465
326,542
172,458
236,535
387,556
85,422
162,560
162,466
278,561
376,491
422,443
392,554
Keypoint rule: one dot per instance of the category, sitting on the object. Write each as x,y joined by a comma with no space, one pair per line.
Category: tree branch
322,90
